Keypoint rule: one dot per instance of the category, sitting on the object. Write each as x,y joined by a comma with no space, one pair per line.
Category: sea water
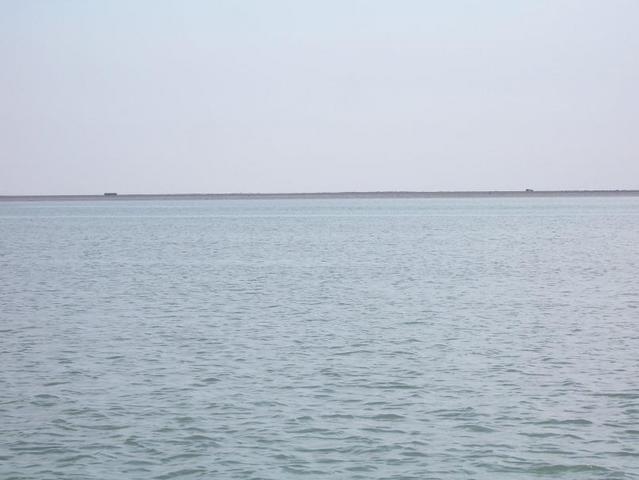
482,338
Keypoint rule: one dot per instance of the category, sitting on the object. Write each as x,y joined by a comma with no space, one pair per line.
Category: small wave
623,395
185,472
75,458
388,417
475,428
182,456
339,416
556,469
571,421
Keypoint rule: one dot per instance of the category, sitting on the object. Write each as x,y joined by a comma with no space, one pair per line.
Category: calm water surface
280,339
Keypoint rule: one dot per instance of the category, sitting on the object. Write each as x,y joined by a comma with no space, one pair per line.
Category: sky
215,96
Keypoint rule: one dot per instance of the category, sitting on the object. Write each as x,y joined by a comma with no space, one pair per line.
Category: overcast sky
292,96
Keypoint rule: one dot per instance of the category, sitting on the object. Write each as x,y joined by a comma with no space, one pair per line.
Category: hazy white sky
290,96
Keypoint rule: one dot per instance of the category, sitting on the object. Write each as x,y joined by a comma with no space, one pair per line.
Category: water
280,339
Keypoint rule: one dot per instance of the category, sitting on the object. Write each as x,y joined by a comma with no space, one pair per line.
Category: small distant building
110,194
529,190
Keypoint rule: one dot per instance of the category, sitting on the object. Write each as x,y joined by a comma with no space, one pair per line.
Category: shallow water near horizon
356,339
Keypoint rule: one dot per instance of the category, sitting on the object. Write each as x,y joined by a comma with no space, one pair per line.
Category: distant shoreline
323,195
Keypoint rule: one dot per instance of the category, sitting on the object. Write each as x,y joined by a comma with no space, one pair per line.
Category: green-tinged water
277,339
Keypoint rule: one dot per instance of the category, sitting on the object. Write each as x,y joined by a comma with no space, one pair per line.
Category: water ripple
352,339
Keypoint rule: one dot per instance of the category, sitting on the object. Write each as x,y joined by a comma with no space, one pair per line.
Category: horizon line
318,194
